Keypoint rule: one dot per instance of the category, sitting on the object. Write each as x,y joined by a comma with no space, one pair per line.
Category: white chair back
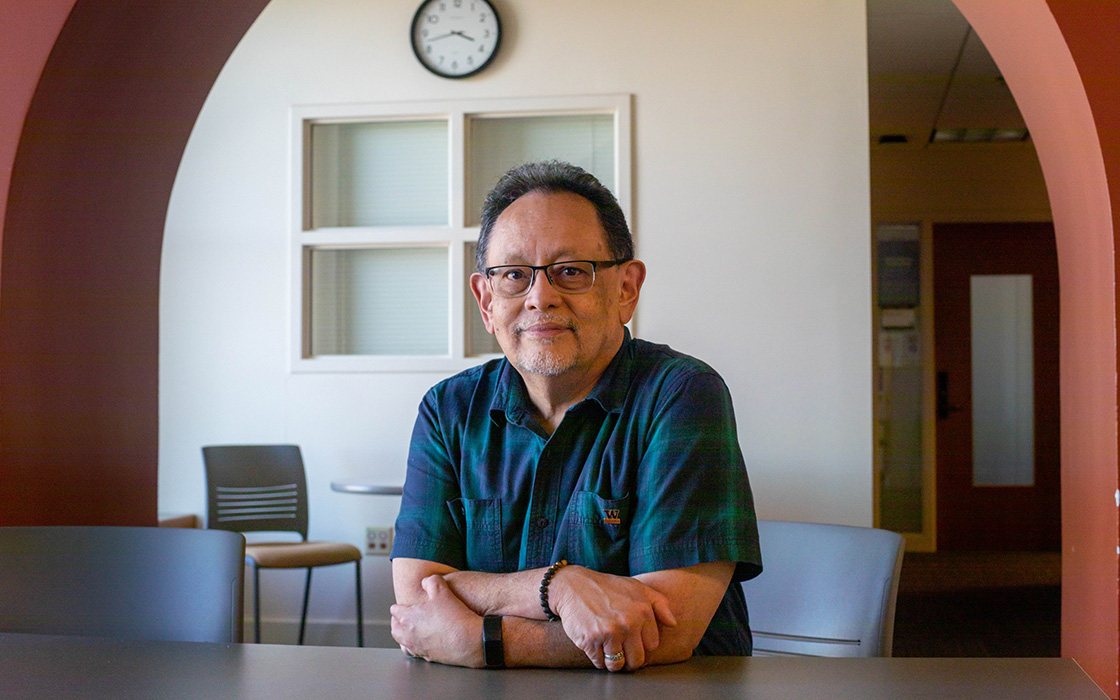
825,590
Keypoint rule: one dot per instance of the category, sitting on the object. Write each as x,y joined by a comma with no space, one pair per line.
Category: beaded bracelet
552,617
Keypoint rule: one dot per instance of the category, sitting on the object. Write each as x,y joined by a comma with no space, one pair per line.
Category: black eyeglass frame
595,265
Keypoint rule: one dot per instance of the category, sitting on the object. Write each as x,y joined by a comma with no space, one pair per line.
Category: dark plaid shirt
644,474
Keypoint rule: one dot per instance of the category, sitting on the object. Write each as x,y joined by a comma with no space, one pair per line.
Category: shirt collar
511,399
611,389
510,402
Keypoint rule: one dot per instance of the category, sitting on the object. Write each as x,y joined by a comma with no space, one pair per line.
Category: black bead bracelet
552,617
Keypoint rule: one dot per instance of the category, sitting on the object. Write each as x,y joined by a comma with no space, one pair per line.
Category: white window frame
454,237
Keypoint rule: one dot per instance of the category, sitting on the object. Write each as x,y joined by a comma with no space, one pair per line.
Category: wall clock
455,38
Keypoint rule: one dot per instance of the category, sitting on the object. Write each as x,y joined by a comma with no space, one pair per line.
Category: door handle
944,408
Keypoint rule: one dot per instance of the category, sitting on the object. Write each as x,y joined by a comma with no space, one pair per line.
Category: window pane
379,301
379,174
479,340
500,143
1002,380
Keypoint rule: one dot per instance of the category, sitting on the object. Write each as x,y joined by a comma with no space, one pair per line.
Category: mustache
550,319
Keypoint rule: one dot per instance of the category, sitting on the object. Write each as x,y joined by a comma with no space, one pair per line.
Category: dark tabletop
58,668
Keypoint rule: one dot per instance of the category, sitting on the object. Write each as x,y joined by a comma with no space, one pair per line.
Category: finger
635,653
397,631
597,659
614,657
433,585
661,609
651,636
594,652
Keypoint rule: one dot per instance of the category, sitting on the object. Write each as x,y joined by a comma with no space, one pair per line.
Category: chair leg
256,604
358,598
306,597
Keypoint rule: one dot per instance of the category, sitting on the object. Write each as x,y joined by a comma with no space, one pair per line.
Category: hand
606,614
441,629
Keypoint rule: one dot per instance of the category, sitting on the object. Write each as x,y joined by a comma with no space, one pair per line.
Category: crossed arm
655,618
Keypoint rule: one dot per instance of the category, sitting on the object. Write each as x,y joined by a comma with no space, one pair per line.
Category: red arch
1052,55
79,295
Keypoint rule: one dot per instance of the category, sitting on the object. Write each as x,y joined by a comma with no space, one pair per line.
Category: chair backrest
825,590
255,488
124,582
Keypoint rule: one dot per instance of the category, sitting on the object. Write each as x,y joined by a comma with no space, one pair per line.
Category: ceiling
927,69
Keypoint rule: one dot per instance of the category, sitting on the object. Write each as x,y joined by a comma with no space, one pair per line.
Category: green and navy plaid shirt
644,474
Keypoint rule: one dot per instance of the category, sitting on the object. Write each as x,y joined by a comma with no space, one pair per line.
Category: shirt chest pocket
599,532
479,522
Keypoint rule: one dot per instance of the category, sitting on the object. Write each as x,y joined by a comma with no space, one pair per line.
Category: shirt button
542,522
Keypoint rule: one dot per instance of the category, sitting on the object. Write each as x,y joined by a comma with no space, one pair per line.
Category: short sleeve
694,500
425,528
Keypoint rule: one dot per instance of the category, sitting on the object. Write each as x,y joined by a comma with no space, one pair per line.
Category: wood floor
953,604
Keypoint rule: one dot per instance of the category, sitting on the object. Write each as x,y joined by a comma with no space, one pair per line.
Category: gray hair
551,177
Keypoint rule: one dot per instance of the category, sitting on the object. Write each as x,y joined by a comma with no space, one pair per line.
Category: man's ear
483,296
632,274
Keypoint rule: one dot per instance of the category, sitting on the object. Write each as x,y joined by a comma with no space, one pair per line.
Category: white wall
750,209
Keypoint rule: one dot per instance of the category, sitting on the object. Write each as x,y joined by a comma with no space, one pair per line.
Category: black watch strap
493,650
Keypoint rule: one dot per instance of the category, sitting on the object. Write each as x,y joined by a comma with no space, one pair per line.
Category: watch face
455,38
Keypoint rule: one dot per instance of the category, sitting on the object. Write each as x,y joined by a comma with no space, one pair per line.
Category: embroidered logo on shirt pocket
599,531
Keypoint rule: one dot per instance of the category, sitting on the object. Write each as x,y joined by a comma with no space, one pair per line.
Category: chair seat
263,488
300,555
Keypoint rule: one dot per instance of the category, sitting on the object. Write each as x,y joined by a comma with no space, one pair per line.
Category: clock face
455,38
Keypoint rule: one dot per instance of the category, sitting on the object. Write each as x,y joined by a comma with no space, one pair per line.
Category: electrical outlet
379,540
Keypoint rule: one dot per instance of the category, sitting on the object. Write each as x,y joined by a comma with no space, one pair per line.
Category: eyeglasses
568,277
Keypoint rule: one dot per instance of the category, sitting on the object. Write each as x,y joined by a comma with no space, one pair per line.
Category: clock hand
443,36
462,34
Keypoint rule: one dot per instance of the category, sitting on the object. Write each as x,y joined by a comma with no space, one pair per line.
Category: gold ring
615,657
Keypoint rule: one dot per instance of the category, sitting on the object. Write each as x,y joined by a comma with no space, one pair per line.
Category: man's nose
542,295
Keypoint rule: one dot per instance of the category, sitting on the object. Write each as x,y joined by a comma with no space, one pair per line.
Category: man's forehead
549,204
556,224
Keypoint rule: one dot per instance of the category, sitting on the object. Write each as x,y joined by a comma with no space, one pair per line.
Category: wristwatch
493,651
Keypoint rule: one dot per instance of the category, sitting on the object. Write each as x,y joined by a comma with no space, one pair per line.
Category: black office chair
124,582
263,488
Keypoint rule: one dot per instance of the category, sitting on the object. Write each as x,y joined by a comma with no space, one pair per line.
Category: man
586,494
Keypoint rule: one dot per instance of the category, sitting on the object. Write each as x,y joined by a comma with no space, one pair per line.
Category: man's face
545,332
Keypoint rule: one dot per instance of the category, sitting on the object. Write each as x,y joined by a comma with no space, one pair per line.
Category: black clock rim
434,71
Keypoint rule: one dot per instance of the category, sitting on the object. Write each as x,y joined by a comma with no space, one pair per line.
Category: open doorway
949,148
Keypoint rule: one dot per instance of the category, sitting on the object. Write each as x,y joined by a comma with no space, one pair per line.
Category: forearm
441,622
440,614
602,613
443,629
530,640
538,643
516,594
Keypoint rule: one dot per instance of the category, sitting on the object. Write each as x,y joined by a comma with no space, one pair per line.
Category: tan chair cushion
299,555
189,520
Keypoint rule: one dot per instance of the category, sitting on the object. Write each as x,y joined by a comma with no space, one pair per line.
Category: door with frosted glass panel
996,355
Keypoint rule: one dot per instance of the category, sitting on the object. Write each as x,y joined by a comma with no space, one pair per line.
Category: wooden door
972,513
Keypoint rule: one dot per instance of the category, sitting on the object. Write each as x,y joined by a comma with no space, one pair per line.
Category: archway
79,319
1026,40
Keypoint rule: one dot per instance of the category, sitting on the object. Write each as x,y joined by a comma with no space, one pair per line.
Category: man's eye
571,271
513,275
